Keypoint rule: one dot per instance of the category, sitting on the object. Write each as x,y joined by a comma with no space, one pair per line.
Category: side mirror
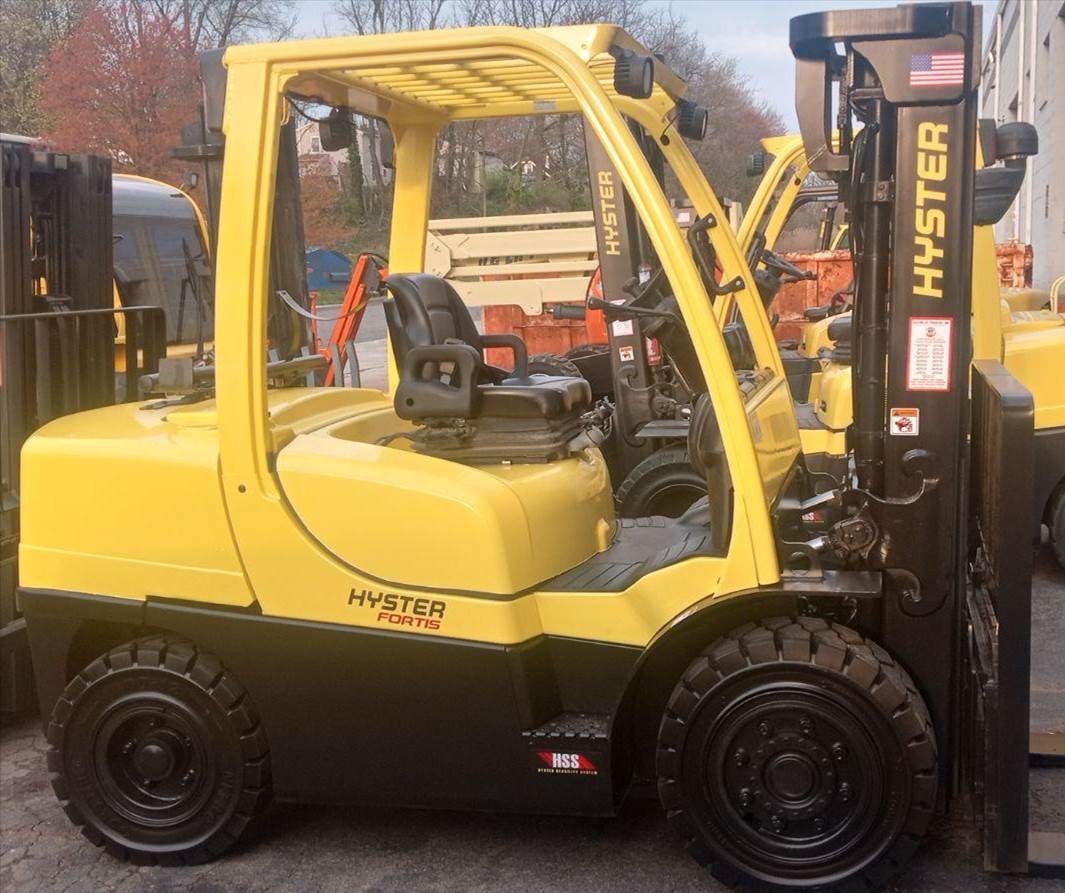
335,130
387,147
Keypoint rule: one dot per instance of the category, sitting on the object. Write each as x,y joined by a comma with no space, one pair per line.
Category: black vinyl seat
468,409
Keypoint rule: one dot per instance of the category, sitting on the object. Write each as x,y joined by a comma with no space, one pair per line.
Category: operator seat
467,409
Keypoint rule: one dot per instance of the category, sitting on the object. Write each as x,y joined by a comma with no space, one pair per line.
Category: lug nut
127,748
845,792
819,824
187,778
778,823
740,757
839,752
806,724
745,797
765,729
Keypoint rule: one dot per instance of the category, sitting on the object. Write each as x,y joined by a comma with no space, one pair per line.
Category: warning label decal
930,353
905,422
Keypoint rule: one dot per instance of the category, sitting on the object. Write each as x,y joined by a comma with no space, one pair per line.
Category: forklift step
588,729
642,545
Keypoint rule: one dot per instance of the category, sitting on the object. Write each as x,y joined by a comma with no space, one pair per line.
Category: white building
310,151
1024,80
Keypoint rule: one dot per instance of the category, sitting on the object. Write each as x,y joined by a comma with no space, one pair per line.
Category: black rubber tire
1056,524
865,795
665,483
553,364
159,702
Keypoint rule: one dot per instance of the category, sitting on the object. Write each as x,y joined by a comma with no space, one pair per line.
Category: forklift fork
996,760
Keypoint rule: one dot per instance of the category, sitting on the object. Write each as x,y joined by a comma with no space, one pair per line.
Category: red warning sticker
905,422
930,353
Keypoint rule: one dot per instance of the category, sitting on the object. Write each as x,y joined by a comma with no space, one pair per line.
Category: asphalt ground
322,849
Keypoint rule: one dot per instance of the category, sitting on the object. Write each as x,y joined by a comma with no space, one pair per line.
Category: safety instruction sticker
621,328
905,422
929,359
626,353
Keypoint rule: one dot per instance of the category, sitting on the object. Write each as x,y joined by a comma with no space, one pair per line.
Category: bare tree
215,23
552,146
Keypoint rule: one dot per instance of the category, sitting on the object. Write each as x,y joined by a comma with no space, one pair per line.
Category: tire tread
832,648
180,657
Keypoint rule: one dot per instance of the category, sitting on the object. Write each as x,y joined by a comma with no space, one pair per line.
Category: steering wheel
785,269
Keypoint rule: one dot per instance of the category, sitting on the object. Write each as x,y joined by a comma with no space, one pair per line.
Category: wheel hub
156,758
787,776
790,777
150,761
794,774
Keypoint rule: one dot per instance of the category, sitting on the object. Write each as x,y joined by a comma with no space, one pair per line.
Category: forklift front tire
665,483
158,754
795,752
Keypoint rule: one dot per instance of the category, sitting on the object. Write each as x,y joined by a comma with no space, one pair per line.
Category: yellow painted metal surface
261,515
1036,356
424,518
295,503
116,501
1027,298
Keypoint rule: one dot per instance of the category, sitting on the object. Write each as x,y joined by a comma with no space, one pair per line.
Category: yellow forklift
424,597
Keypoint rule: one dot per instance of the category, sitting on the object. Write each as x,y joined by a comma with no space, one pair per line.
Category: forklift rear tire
665,483
553,364
158,754
795,752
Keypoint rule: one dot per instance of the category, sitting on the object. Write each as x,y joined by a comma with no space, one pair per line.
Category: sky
754,31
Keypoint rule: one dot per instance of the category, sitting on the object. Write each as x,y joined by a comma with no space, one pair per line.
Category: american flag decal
937,69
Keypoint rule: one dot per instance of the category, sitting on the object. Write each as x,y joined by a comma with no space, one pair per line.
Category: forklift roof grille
382,74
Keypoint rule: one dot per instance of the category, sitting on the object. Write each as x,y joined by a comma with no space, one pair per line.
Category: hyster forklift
424,597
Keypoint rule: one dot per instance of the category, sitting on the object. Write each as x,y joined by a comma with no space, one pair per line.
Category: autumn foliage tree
122,84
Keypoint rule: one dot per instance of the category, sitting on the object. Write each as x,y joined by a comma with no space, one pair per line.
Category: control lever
706,259
627,310
776,262
568,311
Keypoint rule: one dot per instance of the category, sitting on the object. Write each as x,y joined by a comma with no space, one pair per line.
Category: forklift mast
910,76
620,250
934,505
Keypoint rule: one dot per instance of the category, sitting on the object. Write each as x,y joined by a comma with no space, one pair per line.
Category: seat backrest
426,310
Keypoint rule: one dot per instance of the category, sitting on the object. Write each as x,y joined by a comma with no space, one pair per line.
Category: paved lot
333,849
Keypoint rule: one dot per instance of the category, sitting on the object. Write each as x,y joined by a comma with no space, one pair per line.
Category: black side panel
53,620
363,715
591,675
380,716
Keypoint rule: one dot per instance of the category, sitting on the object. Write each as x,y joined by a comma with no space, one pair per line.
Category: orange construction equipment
366,277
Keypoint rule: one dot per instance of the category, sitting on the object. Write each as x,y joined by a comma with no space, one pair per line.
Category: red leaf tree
122,84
